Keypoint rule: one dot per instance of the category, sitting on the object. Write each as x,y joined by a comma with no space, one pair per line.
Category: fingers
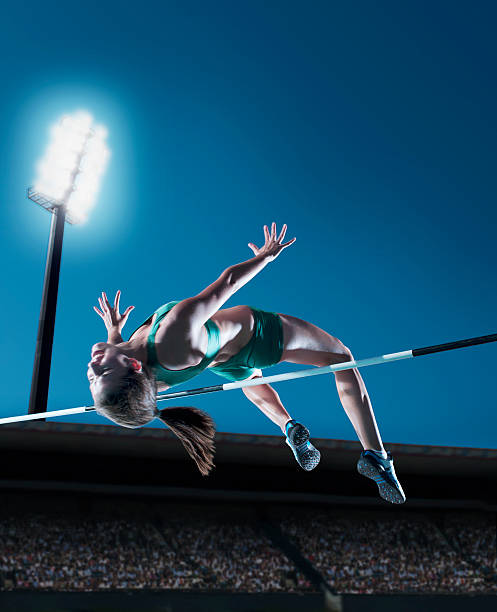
105,310
102,305
116,300
272,235
105,300
282,233
127,311
271,238
289,242
110,314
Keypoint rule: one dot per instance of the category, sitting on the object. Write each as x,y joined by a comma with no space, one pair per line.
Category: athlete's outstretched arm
194,312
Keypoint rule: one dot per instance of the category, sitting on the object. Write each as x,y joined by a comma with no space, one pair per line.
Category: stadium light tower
68,180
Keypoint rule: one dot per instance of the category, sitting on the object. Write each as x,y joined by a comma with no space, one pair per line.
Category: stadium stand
75,518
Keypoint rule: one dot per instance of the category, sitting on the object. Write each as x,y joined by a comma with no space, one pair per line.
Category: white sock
381,453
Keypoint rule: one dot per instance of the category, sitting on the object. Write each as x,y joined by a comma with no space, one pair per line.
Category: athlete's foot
297,438
381,470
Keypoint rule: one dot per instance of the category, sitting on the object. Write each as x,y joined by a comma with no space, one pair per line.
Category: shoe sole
310,458
301,436
387,491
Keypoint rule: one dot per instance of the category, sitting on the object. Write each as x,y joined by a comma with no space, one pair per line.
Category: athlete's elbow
230,278
236,277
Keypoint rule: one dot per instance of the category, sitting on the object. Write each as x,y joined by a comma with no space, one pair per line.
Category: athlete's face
107,368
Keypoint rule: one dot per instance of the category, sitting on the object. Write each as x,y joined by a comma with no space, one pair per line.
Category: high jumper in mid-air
183,338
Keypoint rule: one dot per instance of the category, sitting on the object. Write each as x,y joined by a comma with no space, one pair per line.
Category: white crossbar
228,386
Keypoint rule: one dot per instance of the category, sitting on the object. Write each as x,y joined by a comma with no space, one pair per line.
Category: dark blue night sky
369,128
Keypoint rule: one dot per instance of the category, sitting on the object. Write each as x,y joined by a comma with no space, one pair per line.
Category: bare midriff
235,330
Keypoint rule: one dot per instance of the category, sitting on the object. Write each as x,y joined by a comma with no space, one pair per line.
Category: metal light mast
68,180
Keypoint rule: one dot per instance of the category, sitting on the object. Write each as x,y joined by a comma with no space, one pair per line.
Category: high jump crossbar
347,365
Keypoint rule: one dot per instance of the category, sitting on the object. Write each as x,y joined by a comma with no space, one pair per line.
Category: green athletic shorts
264,349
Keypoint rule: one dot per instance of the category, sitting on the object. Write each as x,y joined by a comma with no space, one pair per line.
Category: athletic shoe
297,438
382,472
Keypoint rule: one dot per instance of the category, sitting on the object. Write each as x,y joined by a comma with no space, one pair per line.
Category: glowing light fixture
70,172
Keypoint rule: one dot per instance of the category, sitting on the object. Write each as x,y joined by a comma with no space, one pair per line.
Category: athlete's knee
341,353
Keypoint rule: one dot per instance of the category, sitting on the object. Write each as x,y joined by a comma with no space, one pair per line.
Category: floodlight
67,184
70,172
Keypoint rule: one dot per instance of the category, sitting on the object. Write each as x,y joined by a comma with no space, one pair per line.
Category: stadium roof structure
151,461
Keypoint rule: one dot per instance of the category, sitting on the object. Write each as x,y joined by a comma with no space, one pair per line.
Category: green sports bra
175,377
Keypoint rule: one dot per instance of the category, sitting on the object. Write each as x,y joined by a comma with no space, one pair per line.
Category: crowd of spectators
365,554
474,537
86,555
69,554
230,556
356,553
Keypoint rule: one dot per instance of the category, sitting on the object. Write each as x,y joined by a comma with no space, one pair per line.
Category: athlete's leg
304,343
297,435
268,401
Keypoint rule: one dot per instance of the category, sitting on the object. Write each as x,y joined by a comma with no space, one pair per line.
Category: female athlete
183,338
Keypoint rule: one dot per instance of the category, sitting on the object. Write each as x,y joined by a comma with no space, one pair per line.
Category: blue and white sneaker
382,472
297,438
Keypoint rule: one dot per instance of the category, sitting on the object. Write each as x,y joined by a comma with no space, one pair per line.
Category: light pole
67,184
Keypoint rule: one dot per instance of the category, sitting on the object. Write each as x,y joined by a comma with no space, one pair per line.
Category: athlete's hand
273,244
114,322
